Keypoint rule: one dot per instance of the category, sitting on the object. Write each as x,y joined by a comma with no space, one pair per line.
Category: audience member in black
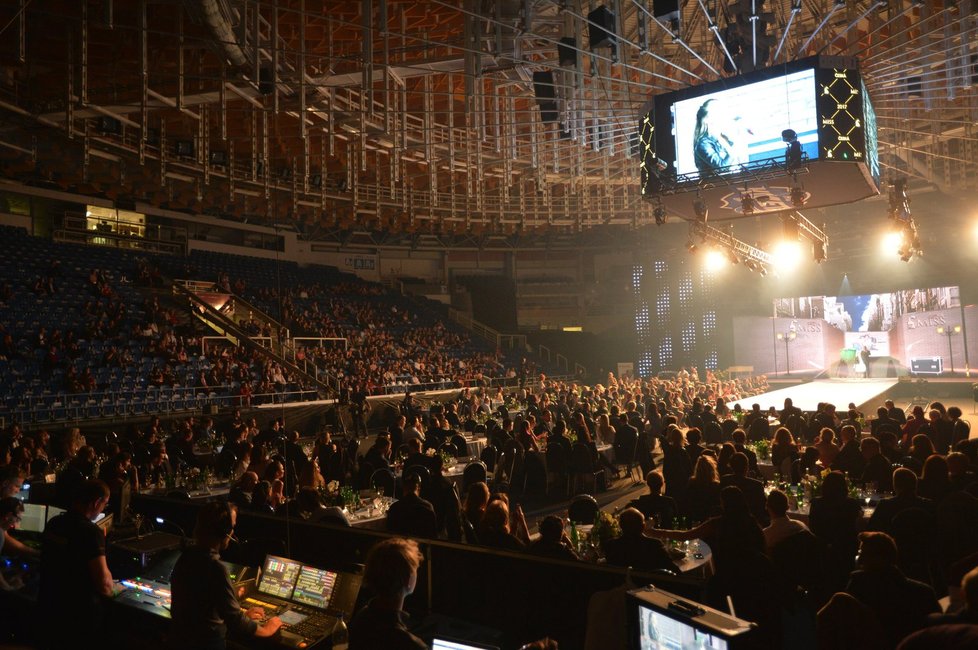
883,421
877,470
495,528
396,431
262,501
752,489
626,444
676,466
901,605
890,447
905,497
11,513
940,430
827,418
693,447
411,515
553,543
443,498
476,500
655,505
391,573
205,608
241,493
702,498
895,413
921,448
734,535
379,454
634,548
75,579
789,410
849,459
727,451
835,517
960,430
415,457
959,471
740,446
783,449
934,483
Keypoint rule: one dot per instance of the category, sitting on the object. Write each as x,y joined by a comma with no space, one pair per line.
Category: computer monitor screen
32,521
278,577
53,512
450,644
314,587
658,631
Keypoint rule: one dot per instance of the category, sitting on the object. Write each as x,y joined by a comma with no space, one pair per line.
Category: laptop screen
314,587
32,521
451,644
278,577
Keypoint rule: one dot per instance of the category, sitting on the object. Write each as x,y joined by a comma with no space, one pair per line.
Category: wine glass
137,520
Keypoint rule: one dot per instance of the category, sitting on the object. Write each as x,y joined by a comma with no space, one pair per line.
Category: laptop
308,599
439,643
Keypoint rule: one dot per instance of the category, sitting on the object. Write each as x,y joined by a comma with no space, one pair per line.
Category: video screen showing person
725,131
660,632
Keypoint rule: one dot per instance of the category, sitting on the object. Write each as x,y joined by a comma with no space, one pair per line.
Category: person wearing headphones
204,607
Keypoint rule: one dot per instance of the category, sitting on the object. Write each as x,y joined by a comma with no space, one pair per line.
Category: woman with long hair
701,498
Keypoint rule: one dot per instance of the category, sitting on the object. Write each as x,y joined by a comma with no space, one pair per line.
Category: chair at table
489,456
461,446
535,472
423,473
582,509
558,465
728,427
626,454
448,448
384,482
582,468
365,474
474,472
712,433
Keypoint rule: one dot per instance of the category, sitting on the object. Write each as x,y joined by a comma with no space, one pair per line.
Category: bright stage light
891,241
787,255
715,261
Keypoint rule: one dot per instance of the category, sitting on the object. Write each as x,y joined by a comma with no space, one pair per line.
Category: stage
867,394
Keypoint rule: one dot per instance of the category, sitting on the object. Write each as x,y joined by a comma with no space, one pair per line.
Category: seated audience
633,548
654,505
553,543
411,515
391,573
781,527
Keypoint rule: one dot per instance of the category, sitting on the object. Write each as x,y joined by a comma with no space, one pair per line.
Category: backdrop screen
875,312
721,131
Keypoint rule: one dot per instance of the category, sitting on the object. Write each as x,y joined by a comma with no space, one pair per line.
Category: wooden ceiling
421,117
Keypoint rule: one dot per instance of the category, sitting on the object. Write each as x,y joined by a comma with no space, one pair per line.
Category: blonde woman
606,432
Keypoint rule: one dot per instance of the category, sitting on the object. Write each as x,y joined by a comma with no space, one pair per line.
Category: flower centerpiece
763,449
328,492
447,459
605,527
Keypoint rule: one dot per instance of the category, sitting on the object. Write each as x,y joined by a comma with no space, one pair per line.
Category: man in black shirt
412,515
752,488
552,542
74,575
204,605
634,548
392,573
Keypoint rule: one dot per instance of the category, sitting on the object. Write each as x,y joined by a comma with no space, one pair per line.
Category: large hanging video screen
721,132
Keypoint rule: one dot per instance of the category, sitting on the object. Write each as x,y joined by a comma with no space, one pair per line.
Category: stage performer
864,356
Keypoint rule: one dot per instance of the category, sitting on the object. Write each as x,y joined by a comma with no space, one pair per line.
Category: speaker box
665,8
601,27
543,85
548,111
567,52
915,86
266,80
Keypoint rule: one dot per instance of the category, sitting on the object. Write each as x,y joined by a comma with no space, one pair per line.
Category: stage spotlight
797,196
750,264
747,204
789,229
732,256
787,255
714,261
701,209
892,241
659,212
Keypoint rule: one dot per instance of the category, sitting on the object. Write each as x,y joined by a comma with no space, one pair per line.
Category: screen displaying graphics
314,587
872,142
278,577
875,312
660,632
722,131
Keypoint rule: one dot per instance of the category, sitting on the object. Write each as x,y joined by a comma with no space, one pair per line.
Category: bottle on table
340,638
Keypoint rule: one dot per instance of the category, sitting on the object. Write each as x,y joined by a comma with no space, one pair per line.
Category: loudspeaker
567,52
548,111
601,27
664,8
915,86
543,85
109,125
184,148
266,80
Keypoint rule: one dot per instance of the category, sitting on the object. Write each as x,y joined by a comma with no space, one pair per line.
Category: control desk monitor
33,519
658,619
314,587
278,577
